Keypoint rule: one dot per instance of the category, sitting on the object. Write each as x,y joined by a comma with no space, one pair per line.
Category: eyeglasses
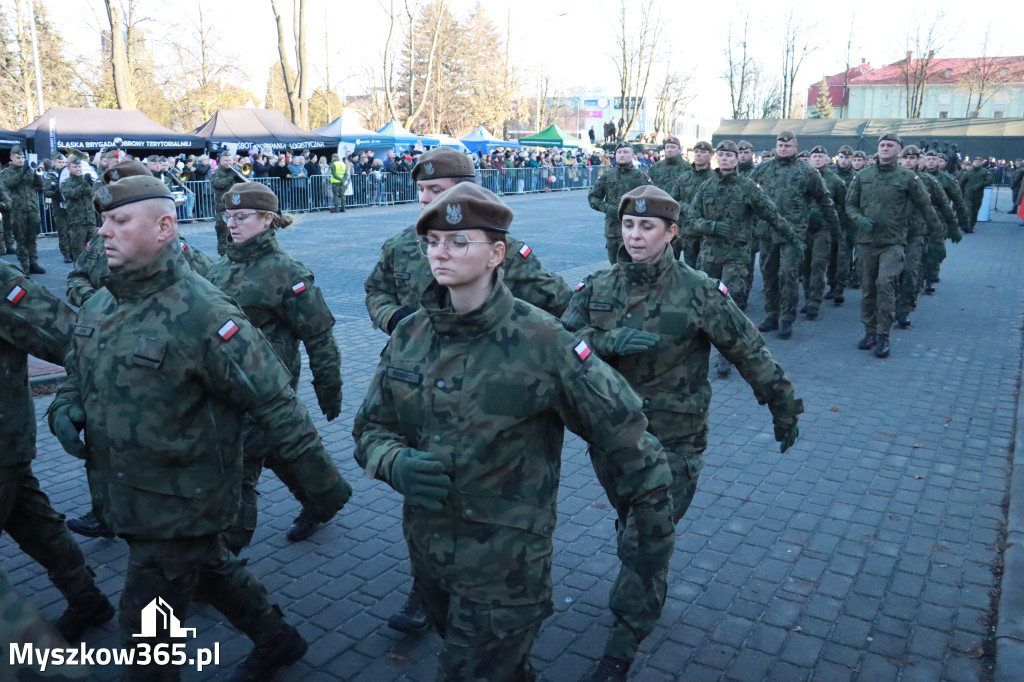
239,218
456,246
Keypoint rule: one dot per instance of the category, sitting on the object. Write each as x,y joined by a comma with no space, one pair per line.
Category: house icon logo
158,615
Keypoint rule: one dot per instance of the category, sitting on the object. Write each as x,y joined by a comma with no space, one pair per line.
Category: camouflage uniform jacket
403,272
888,195
666,172
690,312
32,320
22,183
489,393
86,278
940,202
955,195
793,186
51,190
165,366
846,175
687,185
78,200
608,189
837,188
974,180
5,199
278,295
738,201
745,168
221,181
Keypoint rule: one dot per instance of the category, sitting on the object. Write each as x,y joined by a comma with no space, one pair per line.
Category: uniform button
224,351
545,530
436,536
199,491
444,583
629,315
468,513
103,346
93,396
120,475
437,439
647,402
440,383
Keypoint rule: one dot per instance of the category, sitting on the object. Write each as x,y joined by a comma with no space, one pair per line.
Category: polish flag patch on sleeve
525,251
580,285
16,294
582,350
721,287
183,246
227,330
917,177
298,287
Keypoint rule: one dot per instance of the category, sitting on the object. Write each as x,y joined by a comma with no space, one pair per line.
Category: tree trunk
119,58
303,75
289,86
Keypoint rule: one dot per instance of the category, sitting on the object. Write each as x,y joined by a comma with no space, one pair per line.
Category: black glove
817,217
66,422
623,341
786,433
421,478
955,236
723,230
399,315
329,397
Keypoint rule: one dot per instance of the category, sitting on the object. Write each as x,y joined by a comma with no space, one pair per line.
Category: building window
997,114
949,73
885,99
943,114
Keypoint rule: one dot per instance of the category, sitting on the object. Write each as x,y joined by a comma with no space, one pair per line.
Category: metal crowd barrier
301,195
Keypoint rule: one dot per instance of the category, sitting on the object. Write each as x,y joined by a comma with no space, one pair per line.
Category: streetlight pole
35,55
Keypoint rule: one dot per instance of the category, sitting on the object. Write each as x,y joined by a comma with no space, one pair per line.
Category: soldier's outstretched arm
382,301
376,430
595,197
824,199
764,208
312,321
528,280
31,318
922,199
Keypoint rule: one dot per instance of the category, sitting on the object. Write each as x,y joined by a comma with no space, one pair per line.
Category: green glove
656,539
723,230
955,236
329,397
421,478
864,223
786,433
66,421
817,216
623,341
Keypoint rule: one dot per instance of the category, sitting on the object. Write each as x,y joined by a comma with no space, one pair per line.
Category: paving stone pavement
863,553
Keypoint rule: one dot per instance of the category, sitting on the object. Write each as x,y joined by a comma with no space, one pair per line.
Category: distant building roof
950,70
836,84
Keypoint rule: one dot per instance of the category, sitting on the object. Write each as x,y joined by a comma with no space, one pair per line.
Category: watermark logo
158,614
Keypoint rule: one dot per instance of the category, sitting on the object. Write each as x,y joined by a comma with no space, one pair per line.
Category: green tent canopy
552,136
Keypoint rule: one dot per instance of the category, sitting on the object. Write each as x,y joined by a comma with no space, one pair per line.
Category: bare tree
673,96
987,75
295,86
420,68
634,56
796,45
739,69
119,58
922,39
844,105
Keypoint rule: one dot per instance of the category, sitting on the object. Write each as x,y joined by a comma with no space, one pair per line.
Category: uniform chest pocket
409,397
676,324
149,352
402,276
603,315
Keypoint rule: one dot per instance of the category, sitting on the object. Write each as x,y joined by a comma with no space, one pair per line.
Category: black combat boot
771,323
812,313
839,298
868,342
411,619
287,647
785,329
610,669
929,286
90,525
305,524
882,346
903,321
35,269
88,610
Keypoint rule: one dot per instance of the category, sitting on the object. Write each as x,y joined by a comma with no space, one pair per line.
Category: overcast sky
571,39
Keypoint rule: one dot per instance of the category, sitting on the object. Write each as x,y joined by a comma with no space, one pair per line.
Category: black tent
91,129
9,138
249,128
1002,138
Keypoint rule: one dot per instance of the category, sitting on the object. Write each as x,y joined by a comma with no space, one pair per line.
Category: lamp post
35,55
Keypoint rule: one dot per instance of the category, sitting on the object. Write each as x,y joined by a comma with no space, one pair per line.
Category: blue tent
402,138
353,137
480,141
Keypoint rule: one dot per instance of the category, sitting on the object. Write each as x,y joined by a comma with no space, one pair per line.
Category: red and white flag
582,350
525,251
298,287
17,293
227,330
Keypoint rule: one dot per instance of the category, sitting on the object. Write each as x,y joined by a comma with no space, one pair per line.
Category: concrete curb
1010,627
44,384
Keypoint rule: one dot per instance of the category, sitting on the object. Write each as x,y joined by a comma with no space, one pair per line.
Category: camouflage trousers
780,270
8,232
754,248
909,283
934,254
77,237
221,229
690,250
29,518
974,200
880,268
838,273
733,275
26,229
482,642
60,223
338,194
612,244
817,247
171,570
635,604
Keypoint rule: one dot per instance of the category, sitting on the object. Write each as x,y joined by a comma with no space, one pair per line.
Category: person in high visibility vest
339,178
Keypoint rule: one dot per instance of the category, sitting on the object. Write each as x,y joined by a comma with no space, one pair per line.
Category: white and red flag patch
298,287
525,251
721,287
580,285
17,293
582,350
227,330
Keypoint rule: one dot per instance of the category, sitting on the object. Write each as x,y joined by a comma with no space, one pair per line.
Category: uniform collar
725,177
252,249
446,321
167,268
644,273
